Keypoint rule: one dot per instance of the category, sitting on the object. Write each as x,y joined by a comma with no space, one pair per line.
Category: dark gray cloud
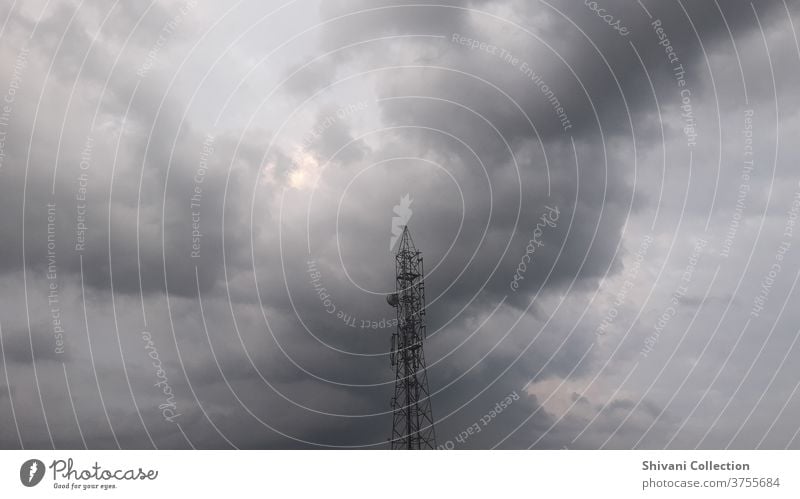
224,174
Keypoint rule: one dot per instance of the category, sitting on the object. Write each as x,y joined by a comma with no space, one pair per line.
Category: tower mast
412,426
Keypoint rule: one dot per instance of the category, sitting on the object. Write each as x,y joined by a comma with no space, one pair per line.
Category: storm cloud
196,206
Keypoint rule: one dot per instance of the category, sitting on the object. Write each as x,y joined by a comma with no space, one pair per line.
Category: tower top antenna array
412,426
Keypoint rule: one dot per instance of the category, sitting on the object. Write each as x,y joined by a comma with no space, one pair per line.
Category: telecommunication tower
412,426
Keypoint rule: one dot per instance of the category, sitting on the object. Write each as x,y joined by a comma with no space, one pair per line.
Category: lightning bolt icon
32,471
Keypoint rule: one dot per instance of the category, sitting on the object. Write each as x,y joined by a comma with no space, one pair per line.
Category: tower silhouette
412,426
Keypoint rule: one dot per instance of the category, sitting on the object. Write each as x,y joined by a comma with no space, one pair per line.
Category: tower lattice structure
412,426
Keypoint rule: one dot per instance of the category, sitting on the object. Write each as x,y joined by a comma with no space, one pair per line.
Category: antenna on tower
412,426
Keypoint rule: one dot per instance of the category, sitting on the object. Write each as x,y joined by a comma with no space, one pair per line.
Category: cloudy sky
605,194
